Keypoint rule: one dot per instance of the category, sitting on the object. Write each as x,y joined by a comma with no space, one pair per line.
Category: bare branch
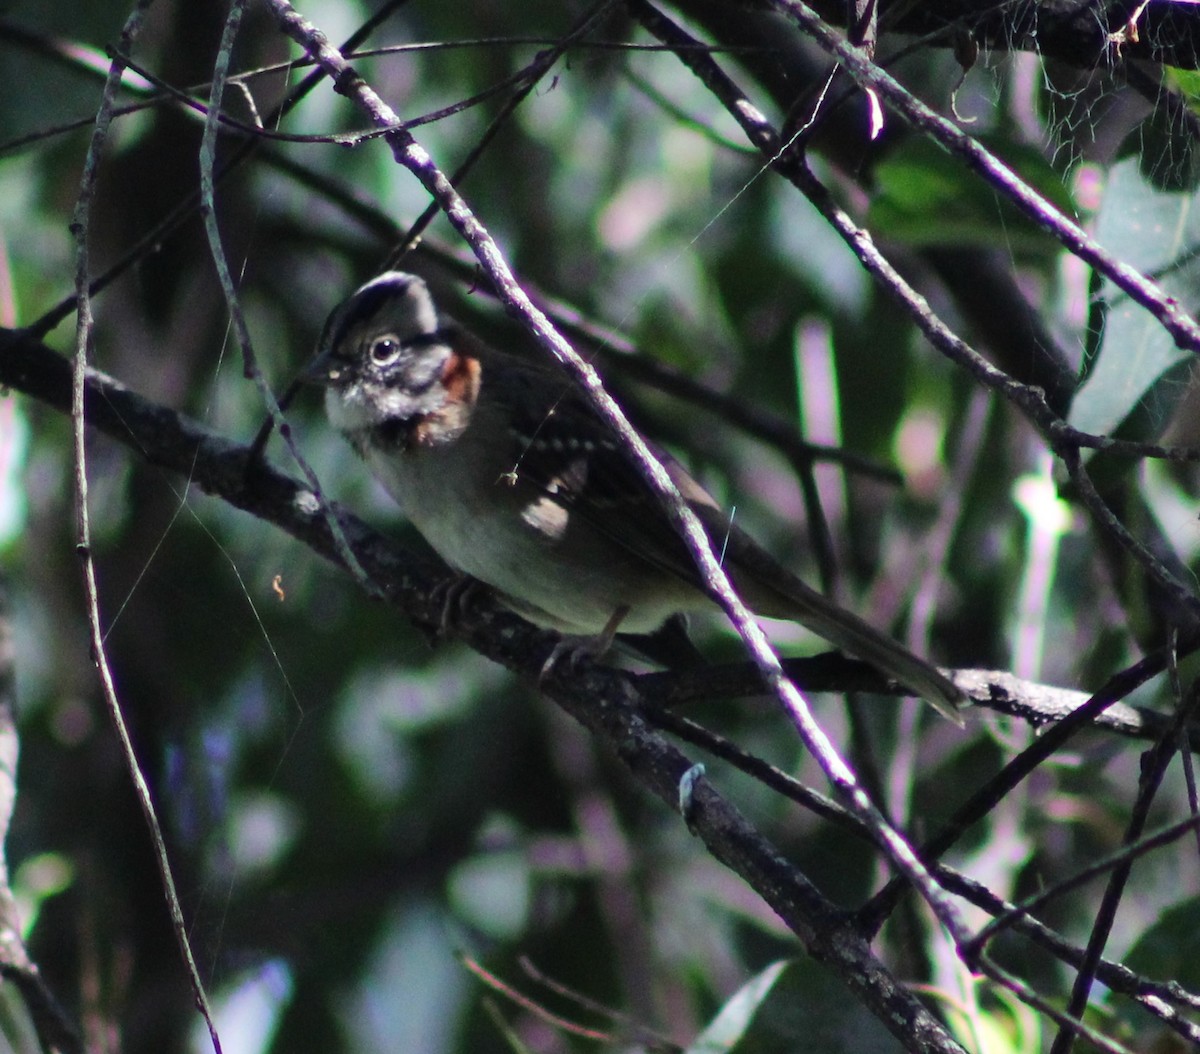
83,336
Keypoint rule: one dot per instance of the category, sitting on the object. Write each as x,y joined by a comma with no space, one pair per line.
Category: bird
505,467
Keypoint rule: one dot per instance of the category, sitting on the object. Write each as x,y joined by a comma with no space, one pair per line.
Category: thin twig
1031,400
999,786
1188,603
1031,997
83,335
532,1006
1157,997
758,130
409,153
219,468
1127,854
250,367
528,79
1153,769
185,209
763,771
192,105
1165,308
631,1030
616,348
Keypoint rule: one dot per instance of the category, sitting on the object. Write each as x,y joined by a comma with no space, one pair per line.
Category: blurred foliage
350,810
926,197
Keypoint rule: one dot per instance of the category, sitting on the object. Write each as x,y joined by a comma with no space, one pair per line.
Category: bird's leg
573,647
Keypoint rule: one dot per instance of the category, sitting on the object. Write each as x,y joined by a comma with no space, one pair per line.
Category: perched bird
506,469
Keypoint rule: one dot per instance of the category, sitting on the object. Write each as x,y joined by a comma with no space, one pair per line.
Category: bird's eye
385,350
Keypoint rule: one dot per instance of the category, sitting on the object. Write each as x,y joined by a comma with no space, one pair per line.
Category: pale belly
573,582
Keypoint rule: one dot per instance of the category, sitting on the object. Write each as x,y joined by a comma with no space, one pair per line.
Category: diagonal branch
1183,329
83,338
604,701
409,153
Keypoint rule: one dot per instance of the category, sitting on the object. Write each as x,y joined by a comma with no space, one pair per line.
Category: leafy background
355,816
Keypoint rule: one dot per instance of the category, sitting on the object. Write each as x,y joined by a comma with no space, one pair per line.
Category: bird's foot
573,648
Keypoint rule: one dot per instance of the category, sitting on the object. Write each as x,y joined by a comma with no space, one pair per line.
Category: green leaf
928,197
1186,83
1158,233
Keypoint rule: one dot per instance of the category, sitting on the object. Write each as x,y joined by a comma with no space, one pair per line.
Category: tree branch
604,701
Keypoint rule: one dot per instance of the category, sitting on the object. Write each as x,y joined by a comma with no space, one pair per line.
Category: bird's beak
325,370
